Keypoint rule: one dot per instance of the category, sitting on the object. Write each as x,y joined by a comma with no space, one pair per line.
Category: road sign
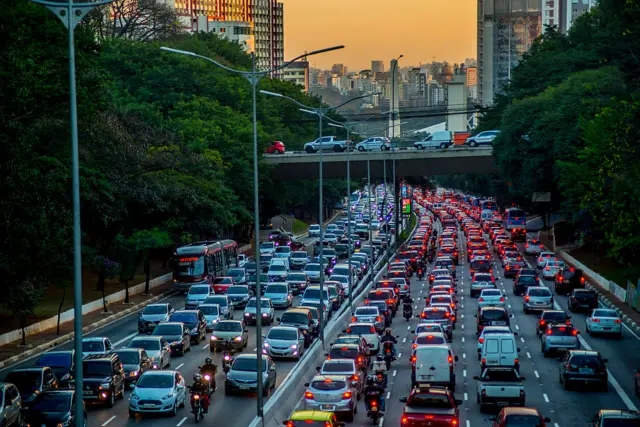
406,206
404,191
541,197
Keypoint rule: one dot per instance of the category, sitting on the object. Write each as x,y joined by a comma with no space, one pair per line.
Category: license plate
425,377
607,329
244,387
492,362
88,393
562,349
503,403
374,409
328,408
586,371
498,323
149,405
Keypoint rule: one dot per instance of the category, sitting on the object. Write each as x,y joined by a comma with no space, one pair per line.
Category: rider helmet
208,361
197,378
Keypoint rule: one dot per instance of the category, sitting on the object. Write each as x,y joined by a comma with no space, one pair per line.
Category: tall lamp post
254,76
320,112
71,14
394,76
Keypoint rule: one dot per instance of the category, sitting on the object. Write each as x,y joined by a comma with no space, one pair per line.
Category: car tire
385,148
443,145
310,150
361,149
174,411
419,147
132,414
473,144
276,151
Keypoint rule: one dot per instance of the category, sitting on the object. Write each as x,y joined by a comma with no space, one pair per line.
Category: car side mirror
326,355
547,419
403,399
344,331
458,402
477,378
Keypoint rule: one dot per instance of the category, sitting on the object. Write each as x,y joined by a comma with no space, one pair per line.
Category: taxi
312,419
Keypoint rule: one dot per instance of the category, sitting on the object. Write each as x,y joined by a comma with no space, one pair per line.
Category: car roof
341,360
93,339
512,410
311,415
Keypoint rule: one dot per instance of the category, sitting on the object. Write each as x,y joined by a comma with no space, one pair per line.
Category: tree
146,241
21,301
129,257
107,269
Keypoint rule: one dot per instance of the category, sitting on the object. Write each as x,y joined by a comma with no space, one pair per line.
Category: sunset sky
381,29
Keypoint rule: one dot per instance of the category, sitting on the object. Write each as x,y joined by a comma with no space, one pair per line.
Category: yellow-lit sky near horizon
421,30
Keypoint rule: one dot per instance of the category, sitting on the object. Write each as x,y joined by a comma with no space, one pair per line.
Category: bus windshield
189,266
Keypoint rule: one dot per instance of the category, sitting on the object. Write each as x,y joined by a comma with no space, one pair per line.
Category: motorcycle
373,399
381,377
388,354
228,352
420,274
407,311
196,406
210,378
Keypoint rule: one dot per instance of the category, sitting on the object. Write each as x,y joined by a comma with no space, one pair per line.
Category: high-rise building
472,83
339,69
298,73
572,9
377,66
506,30
268,17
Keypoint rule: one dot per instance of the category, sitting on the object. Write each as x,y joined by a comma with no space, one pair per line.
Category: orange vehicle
460,137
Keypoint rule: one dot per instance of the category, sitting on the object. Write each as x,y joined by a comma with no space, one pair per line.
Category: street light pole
254,78
320,112
394,75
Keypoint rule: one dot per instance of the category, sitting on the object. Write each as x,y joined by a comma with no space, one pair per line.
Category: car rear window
604,313
491,293
328,385
554,315
430,339
501,375
338,367
366,311
344,353
433,314
360,330
586,361
533,292
429,400
562,331
523,420
494,314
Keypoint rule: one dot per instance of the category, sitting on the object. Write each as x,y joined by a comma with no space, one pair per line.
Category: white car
374,143
604,321
533,247
551,268
544,257
369,314
314,230
158,392
267,248
491,297
487,330
96,345
368,332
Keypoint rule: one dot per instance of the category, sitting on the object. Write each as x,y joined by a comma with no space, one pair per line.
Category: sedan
135,362
533,247
551,268
368,314
375,143
284,342
176,334
157,348
491,297
280,294
243,375
544,257
333,393
158,392
233,330
604,321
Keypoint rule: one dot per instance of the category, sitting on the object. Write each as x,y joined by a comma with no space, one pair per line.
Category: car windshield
96,369
129,357
199,290
147,344
290,317
523,421
429,400
25,380
283,334
338,367
92,346
494,314
328,385
277,267
186,318
344,353
313,294
164,329
604,313
534,292
209,310
238,290
360,329
155,309
276,289
228,327
58,360
51,402
263,303
501,375
248,364
312,267
156,381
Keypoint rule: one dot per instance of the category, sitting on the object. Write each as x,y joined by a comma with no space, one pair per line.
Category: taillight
483,361
574,332
353,320
405,420
423,315
582,280
308,395
413,359
347,395
481,300
549,332
542,322
414,346
359,359
547,268
617,321
450,359
568,321
354,378
595,320
447,314
527,298
501,299
378,319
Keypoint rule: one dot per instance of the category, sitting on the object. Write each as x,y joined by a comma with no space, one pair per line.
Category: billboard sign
406,206
404,191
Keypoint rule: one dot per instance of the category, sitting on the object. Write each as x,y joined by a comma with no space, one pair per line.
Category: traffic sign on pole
541,197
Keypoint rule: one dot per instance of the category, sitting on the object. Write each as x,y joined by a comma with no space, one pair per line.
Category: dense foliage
569,125
166,147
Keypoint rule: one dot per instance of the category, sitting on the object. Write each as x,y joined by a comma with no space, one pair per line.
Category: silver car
559,338
298,260
331,393
243,375
157,348
225,305
537,298
267,311
196,295
279,294
491,297
11,405
212,314
284,342
551,268
369,314
158,392
152,315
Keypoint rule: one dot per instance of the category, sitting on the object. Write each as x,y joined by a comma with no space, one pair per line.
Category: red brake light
481,300
289,423
414,346
483,361
308,395
423,315
353,319
405,420
501,299
481,340
354,378
527,298
372,330
542,322
582,280
571,269
450,359
617,321
447,314
347,395
574,332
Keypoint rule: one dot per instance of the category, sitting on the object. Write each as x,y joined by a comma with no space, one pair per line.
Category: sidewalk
43,341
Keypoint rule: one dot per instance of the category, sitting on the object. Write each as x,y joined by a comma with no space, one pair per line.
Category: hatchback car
152,315
435,404
298,282
548,317
284,342
194,321
544,257
533,247
243,375
239,295
235,331
604,321
491,297
279,294
212,314
492,316
267,312
582,300
62,362
225,305
522,282
157,348
481,281
583,367
558,338
346,367
176,334
312,419
551,268
513,416
536,299
332,393
31,382
196,295
439,315
569,279
368,314
52,407
135,362
160,392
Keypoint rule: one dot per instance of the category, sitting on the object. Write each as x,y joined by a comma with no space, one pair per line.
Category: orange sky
381,29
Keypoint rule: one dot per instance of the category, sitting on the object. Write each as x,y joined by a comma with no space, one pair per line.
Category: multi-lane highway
543,391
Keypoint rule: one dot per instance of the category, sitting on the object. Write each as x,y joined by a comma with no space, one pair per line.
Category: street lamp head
329,49
266,92
336,125
182,52
307,111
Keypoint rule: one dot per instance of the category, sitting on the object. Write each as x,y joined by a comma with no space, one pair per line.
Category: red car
276,147
518,416
221,284
435,405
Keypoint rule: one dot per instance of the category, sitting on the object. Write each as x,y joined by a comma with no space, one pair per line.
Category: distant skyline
421,30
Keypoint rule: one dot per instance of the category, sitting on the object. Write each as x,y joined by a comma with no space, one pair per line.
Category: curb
306,233
86,329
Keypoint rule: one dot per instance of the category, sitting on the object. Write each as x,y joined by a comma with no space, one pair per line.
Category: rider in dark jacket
201,388
388,337
373,386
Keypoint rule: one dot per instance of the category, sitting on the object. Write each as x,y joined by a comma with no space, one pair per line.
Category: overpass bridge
409,162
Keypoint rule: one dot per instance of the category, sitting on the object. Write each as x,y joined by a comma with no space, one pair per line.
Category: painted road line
181,422
394,372
408,328
464,355
381,423
466,396
179,366
388,395
127,338
536,374
528,355
517,327
108,421
468,424
521,339
399,355
464,373
404,340
462,338
462,326
205,347
546,398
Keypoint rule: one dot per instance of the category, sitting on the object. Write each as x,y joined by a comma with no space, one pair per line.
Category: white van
434,364
486,215
441,138
500,350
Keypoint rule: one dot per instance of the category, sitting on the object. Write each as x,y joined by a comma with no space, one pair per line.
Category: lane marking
403,340
555,425
205,347
536,374
179,366
464,373
468,424
399,355
108,421
528,355
462,338
464,355
408,328
462,316
381,422
517,327
181,422
394,372
521,339
466,396
388,394
462,326
546,398
127,338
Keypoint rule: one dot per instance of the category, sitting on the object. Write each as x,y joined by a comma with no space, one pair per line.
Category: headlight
247,314
238,338
134,396
294,347
168,396
105,385
265,314
266,344
133,373
213,338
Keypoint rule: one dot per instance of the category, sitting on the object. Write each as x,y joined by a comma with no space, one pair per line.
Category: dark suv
583,367
582,300
569,279
194,320
492,316
104,378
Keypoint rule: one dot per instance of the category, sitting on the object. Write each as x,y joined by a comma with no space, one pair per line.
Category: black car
527,271
62,363
53,408
135,362
548,317
521,284
569,279
582,300
176,334
31,382
194,320
104,379
583,367
492,316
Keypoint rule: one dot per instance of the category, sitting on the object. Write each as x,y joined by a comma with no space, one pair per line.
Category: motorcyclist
407,299
211,369
201,388
372,386
380,367
388,337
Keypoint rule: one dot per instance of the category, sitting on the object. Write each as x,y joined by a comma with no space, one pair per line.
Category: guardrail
287,396
360,153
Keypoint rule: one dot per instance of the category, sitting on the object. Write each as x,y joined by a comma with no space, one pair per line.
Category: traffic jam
475,322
